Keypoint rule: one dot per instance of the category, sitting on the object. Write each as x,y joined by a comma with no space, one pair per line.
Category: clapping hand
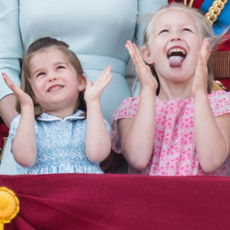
200,82
24,99
143,71
94,90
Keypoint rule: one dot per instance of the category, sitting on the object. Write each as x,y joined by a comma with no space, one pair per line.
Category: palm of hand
24,98
94,90
200,81
143,71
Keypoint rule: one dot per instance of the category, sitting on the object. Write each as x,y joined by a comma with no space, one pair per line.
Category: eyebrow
38,70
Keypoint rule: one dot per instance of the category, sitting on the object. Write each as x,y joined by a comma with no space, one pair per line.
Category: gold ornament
215,10
9,206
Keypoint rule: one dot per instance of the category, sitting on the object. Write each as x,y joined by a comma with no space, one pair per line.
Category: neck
61,113
182,90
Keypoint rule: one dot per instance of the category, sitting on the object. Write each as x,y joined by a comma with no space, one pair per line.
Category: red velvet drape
83,201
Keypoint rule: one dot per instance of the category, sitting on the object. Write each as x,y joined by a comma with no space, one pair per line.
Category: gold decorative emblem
9,206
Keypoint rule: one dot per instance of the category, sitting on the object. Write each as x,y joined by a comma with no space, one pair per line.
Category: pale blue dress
96,30
60,145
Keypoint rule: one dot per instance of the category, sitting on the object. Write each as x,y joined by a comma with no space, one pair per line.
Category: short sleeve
220,102
127,109
11,49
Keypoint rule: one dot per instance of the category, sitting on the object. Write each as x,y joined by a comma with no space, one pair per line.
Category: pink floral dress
174,152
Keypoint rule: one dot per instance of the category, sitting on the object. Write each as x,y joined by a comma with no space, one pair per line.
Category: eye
60,67
187,30
40,74
163,31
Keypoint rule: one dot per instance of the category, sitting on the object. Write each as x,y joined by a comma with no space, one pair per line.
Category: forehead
49,55
174,16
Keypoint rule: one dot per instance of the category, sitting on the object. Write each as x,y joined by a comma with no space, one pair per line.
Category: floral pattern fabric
60,145
174,152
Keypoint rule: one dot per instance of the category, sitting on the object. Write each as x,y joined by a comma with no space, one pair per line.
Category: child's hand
200,82
94,90
24,99
143,71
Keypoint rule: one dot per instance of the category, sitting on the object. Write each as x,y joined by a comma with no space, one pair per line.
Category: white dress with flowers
174,152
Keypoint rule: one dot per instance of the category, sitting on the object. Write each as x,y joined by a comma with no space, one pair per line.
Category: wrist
27,109
148,92
200,98
93,104
200,94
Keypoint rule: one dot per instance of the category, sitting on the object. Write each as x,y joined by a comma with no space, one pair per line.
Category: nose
175,37
52,77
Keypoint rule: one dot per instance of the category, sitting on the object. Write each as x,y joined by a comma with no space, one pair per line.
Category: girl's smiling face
54,81
174,43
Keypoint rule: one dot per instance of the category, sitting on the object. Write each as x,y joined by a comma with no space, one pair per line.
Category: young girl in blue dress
52,134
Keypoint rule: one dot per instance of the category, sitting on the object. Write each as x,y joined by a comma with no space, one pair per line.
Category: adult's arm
7,109
10,52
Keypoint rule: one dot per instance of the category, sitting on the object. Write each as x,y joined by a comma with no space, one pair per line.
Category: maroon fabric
196,4
225,82
225,45
109,201
3,131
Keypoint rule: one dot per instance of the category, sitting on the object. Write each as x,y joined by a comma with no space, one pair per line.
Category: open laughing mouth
176,56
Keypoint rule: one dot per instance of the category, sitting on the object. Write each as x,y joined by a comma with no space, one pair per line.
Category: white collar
49,117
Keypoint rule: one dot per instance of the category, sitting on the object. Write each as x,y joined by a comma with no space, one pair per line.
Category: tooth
176,50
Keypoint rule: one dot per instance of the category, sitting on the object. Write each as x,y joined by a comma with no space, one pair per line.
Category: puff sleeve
127,110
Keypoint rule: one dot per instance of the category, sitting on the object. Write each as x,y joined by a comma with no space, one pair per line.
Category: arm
10,53
7,109
212,135
98,142
137,135
24,154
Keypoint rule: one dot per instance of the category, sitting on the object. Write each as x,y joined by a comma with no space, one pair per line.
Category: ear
82,82
146,54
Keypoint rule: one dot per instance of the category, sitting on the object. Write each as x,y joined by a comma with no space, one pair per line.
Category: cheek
37,88
157,49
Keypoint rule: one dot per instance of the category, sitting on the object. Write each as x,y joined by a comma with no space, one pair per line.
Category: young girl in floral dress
185,129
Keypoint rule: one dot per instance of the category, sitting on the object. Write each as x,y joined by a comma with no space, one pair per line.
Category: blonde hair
203,24
41,45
